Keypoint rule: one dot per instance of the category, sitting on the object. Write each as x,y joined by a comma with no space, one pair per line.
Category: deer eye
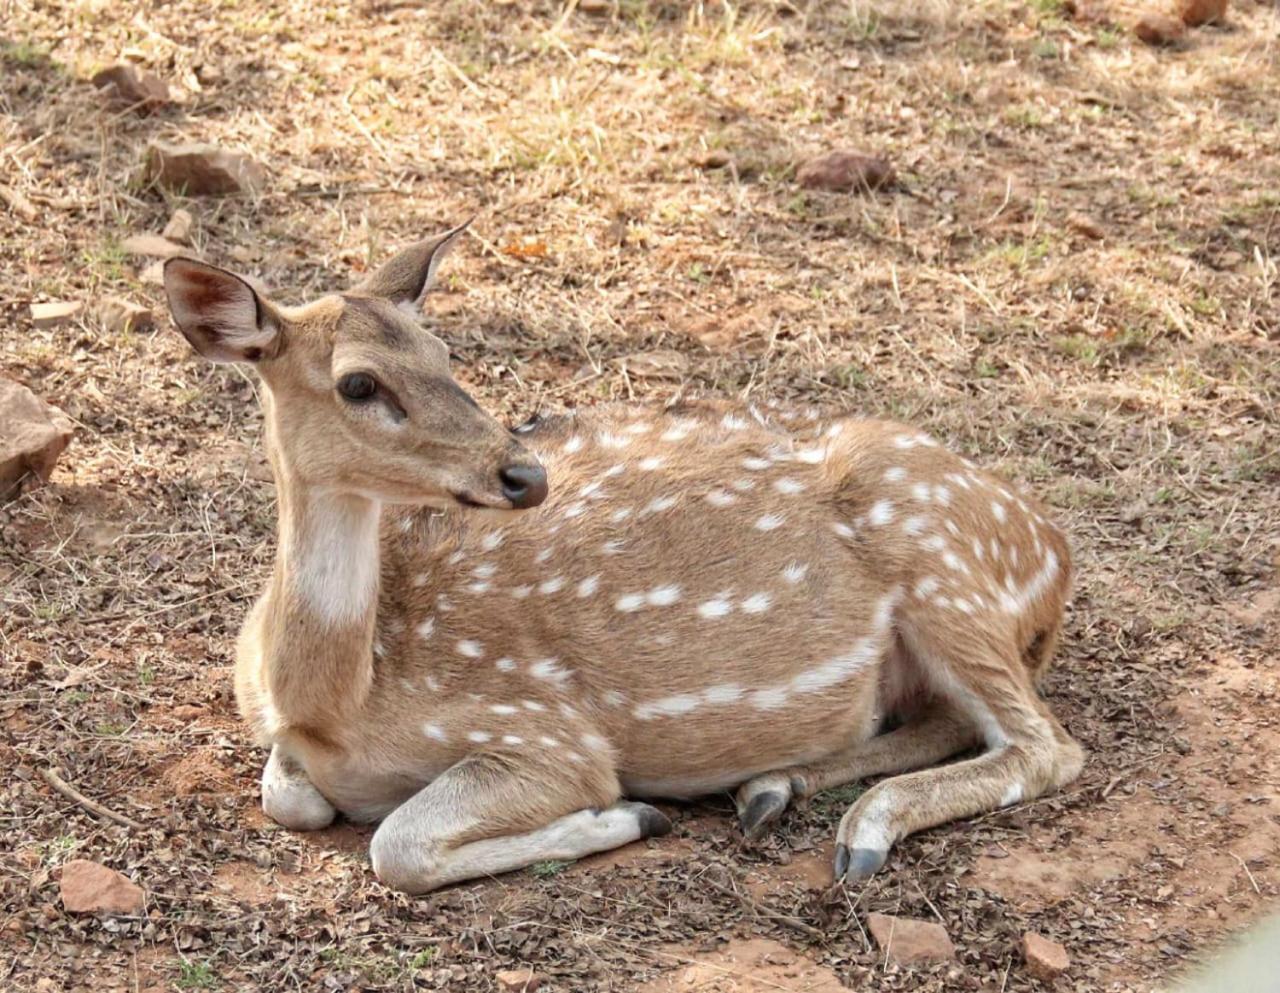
357,386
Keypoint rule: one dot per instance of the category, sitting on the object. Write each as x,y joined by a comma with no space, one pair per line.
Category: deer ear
222,316
406,276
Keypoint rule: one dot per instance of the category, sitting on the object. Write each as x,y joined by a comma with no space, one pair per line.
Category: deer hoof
761,812
855,864
653,822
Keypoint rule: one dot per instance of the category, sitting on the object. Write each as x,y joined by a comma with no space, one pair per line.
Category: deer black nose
524,485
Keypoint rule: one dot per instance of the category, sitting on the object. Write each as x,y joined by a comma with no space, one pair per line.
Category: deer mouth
464,499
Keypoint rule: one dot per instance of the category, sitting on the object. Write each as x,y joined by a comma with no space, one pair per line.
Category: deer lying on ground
675,603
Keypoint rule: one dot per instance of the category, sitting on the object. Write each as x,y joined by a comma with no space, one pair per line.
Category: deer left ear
406,277
220,314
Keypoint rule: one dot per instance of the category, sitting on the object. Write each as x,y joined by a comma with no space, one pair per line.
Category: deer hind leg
936,733
486,815
288,797
1028,753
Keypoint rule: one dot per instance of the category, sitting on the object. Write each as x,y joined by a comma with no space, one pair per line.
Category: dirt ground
1073,281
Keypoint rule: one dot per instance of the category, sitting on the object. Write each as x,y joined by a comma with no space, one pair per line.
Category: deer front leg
288,797
486,815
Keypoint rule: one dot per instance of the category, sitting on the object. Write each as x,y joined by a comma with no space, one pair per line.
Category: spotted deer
487,638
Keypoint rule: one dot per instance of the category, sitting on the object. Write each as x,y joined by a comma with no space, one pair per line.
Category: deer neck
319,612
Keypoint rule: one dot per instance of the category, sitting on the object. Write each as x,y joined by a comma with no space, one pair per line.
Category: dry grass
1133,380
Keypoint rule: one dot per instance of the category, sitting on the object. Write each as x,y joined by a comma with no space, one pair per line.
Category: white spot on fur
881,513
484,571
650,463
470,649
997,509
502,708
520,592
614,547
629,602
427,628
788,486
921,491
723,693
757,603
769,522
743,485
720,498
533,705
435,732
731,422
795,572
443,603
659,504
926,586
477,587
552,585
575,509
589,586
755,464
549,741
663,596
914,525
607,440
842,529
594,742
935,543
895,474
479,737
810,455
769,699
506,665
638,427
614,470
433,684
574,444
512,739
549,669
456,557
621,514
671,706
720,606
491,541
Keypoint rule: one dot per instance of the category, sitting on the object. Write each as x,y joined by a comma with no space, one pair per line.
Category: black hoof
653,822
857,864
763,810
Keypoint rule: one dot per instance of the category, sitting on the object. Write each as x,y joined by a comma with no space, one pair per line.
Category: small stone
121,316
91,888
910,942
202,170
1197,12
597,7
1046,960
153,245
128,86
179,227
1085,225
659,364
34,435
54,313
518,980
1159,29
844,171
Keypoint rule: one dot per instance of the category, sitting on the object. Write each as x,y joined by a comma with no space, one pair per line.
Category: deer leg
1028,754
288,797
482,817
936,734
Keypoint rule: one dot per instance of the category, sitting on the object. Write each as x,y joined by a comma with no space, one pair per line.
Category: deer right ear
219,313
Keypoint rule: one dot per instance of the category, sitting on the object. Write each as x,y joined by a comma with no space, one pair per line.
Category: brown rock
50,315
32,436
90,888
1085,225
1197,12
121,316
844,171
153,245
179,227
202,170
518,980
127,86
1159,29
1046,959
910,942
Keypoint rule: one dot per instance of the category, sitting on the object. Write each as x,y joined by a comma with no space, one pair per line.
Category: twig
95,808
1244,865
792,922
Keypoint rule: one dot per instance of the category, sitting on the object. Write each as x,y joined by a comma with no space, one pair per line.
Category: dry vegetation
1074,280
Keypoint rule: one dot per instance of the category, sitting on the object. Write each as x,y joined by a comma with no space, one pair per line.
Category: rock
152,274
127,86
1046,960
518,980
179,227
34,435
50,315
1197,12
121,316
153,245
659,364
910,942
1085,225
1159,29
596,7
843,171
202,170
90,888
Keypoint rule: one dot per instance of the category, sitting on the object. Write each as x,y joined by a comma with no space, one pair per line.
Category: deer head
359,398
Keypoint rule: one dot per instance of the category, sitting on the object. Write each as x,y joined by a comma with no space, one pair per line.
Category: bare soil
1074,281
